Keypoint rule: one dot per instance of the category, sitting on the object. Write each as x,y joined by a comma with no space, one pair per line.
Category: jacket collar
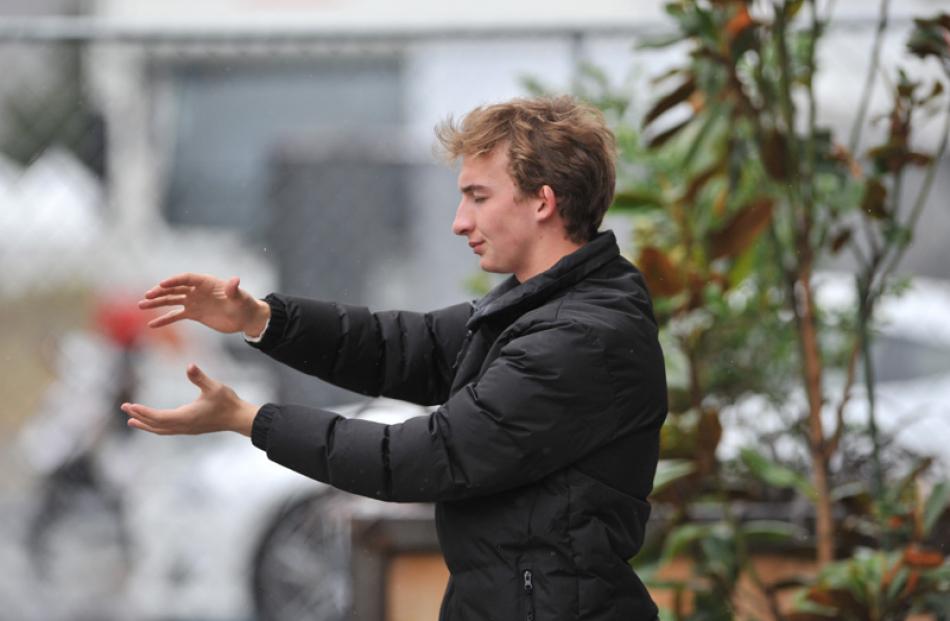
512,295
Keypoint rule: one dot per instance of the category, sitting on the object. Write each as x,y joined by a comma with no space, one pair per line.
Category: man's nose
462,223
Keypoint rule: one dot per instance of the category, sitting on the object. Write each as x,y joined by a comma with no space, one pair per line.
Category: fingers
168,300
143,417
187,279
199,379
168,318
159,291
232,286
135,423
161,422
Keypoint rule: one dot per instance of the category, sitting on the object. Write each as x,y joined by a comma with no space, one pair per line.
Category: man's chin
488,266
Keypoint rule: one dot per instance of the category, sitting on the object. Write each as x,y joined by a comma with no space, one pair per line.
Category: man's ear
547,203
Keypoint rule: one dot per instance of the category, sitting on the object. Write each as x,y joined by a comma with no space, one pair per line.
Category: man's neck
549,252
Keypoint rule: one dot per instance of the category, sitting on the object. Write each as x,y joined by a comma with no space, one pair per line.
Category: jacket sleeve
399,354
545,402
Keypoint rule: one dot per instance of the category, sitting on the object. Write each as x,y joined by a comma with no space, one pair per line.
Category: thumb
198,377
231,288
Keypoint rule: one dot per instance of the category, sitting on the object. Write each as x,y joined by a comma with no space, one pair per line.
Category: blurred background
290,143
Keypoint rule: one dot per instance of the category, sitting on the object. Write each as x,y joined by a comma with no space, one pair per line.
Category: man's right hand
219,304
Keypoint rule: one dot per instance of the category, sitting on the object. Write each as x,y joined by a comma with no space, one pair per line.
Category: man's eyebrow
473,187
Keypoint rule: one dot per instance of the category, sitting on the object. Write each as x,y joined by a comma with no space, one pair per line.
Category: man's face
499,227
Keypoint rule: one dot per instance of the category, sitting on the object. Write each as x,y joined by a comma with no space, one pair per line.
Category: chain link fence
300,162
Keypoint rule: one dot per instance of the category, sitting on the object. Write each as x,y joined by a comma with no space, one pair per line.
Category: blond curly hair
554,141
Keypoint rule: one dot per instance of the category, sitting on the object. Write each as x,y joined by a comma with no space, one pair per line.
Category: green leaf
743,267
899,236
637,200
936,504
670,470
897,584
774,474
534,86
659,42
792,8
929,37
713,115
771,531
809,607
682,537
848,490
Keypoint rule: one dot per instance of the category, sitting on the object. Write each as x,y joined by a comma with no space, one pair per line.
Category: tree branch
858,124
832,445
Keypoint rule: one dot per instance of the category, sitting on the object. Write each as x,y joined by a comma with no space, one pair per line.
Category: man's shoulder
602,323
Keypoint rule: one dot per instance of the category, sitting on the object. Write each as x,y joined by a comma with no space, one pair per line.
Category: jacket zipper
529,591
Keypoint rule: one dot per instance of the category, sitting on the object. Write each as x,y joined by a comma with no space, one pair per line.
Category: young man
552,386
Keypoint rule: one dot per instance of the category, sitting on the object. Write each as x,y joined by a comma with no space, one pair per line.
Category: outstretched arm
545,403
400,354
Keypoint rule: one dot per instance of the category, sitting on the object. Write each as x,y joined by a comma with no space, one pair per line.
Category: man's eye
478,199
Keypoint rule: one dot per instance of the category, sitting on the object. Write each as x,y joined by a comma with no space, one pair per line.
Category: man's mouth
475,245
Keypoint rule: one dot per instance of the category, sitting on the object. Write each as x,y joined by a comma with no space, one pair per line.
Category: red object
126,325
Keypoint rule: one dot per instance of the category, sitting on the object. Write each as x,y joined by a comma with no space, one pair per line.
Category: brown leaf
873,202
840,599
663,279
839,240
697,101
739,22
741,230
710,54
915,158
708,435
935,92
719,205
666,75
696,285
774,150
912,582
664,136
698,182
894,156
668,101
921,558
841,154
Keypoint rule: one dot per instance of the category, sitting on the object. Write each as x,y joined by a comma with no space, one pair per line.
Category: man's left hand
217,408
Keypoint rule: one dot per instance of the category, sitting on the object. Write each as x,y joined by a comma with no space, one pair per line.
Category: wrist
259,318
244,418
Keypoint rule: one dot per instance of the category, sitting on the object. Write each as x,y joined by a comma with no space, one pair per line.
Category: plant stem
803,307
864,101
865,314
858,124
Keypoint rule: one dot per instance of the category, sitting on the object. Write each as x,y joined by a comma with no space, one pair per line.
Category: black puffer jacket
540,459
